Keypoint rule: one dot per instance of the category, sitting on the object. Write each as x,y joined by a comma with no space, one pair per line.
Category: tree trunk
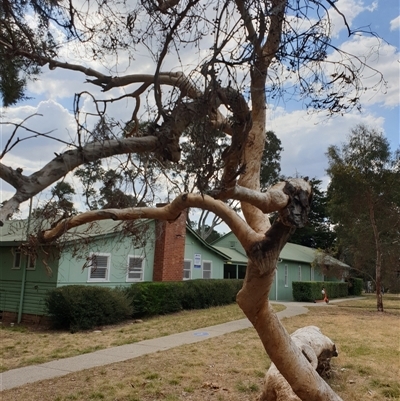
378,262
316,347
253,299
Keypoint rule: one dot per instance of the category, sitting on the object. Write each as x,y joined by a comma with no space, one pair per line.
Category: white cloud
382,57
351,9
34,151
306,138
395,24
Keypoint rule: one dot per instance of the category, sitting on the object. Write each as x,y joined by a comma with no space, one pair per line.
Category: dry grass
20,346
231,367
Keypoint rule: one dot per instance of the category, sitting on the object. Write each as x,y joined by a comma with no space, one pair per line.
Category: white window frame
17,254
187,270
299,275
135,280
100,280
202,268
286,276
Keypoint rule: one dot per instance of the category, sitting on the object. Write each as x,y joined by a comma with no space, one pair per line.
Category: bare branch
169,212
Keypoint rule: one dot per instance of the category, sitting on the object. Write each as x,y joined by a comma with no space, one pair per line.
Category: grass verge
20,346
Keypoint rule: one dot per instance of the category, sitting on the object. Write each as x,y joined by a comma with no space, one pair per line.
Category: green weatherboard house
111,254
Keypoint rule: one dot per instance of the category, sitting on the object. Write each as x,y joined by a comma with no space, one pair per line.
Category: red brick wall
26,319
169,249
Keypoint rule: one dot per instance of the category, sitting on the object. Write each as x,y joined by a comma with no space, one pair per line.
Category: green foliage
311,291
364,203
159,298
200,294
318,232
271,161
155,298
79,307
356,286
18,38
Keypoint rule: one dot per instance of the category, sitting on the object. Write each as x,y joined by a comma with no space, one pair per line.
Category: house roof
14,232
233,254
219,250
298,253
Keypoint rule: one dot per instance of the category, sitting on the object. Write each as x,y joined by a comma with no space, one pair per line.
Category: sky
305,136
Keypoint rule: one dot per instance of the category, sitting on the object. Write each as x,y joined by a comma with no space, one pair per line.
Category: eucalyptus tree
196,70
364,202
318,232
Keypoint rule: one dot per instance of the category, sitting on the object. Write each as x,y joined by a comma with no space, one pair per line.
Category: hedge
160,298
356,286
311,290
79,307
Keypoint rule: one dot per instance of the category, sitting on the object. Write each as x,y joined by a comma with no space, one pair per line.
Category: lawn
232,367
21,346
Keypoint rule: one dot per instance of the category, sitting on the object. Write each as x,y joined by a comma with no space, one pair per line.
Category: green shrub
310,291
79,307
155,298
201,294
159,298
356,286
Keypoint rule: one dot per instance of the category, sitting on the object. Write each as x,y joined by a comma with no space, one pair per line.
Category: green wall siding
230,241
119,246
194,246
37,282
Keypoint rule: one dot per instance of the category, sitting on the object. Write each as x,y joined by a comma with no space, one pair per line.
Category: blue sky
305,136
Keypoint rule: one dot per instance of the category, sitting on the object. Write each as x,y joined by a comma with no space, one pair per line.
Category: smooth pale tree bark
316,347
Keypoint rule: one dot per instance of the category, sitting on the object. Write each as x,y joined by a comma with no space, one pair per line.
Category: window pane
99,273
206,269
100,261
17,259
241,271
135,268
187,267
229,271
99,267
206,274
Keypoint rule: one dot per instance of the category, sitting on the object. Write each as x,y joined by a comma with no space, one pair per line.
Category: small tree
364,201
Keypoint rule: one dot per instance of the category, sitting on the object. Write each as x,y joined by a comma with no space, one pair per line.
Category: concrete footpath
60,367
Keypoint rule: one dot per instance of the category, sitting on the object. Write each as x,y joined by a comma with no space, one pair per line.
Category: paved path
29,374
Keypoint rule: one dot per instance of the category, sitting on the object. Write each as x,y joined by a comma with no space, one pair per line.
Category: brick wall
170,249
26,319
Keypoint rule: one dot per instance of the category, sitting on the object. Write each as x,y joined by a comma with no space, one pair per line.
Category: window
17,259
230,271
312,274
232,244
135,268
31,263
286,276
206,269
299,274
187,269
99,267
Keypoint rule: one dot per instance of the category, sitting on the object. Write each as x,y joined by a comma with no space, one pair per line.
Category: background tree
318,232
364,202
269,175
245,50
60,205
